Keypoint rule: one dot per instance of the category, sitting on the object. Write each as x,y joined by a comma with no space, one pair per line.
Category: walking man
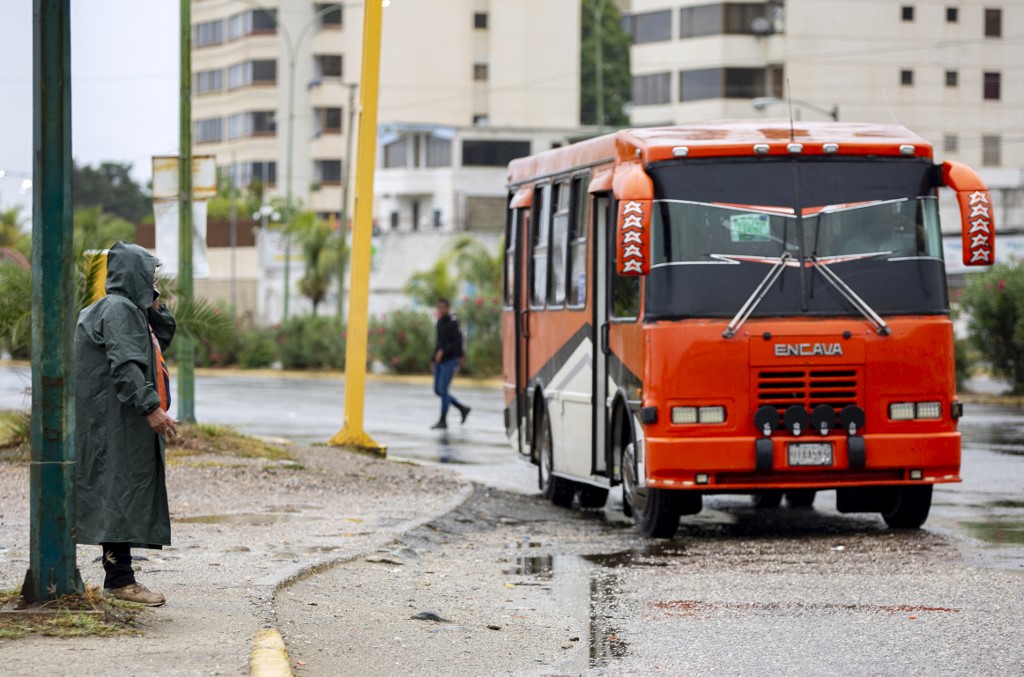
122,392
447,356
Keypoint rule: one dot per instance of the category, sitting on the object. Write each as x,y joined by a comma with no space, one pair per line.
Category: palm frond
201,320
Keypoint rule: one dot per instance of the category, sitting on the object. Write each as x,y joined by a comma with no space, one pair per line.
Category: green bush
994,301
480,319
257,349
308,342
402,341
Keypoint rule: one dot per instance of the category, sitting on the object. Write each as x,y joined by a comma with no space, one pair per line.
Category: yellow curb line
269,657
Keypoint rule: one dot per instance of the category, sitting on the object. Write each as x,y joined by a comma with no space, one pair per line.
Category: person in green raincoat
122,392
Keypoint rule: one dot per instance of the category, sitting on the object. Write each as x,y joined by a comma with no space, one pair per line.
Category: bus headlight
707,415
908,411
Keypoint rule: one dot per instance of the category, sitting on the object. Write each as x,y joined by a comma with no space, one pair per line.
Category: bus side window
578,226
559,241
625,292
539,253
511,230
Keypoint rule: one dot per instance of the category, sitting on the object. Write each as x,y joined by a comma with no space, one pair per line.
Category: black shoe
440,425
465,413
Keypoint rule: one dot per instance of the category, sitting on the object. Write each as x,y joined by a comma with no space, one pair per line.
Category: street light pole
185,345
762,102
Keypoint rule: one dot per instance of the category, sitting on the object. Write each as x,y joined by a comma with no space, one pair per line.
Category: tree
111,188
477,267
427,286
994,302
11,227
616,81
96,229
321,251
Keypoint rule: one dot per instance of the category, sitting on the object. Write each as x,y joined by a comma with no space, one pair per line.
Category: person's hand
161,423
438,355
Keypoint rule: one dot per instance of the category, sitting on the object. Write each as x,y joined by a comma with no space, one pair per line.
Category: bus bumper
731,464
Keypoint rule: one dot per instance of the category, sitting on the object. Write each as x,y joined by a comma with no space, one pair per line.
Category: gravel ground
739,591
240,528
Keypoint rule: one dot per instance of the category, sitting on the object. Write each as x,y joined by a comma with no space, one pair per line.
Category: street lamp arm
762,102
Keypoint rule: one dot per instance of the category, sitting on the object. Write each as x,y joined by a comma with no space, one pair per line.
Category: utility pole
349,135
184,345
52,569
352,434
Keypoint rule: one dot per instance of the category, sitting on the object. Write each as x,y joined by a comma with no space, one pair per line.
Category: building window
992,82
246,173
951,143
492,153
328,65
480,72
649,26
252,123
327,172
208,81
993,23
209,33
396,153
728,83
332,18
208,130
480,20
252,21
439,152
327,121
705,83
907,77
991,151
952,15
437,219
261,72
907,12
652,89
394,220
952,79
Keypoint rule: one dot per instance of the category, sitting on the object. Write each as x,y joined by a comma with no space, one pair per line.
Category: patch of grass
86,614
204,438
15,435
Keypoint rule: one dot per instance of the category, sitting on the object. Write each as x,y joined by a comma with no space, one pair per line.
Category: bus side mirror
977,225
635,192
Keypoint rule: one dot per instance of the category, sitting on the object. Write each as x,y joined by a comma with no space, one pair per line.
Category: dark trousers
117,563
443,373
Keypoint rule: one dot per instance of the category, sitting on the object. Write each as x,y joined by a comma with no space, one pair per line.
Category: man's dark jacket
449,337
121,490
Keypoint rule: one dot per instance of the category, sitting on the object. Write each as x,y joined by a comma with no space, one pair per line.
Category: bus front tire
912,507
655,511
558,490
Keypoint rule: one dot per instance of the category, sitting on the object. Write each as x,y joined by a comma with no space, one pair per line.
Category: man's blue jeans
443,373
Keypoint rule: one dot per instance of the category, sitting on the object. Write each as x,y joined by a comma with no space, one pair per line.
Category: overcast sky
124,85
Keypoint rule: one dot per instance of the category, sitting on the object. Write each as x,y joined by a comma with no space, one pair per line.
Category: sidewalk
241,528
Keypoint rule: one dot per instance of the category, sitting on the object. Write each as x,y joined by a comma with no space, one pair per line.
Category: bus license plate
810,453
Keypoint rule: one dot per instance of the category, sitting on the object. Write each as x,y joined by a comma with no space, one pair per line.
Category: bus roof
723,138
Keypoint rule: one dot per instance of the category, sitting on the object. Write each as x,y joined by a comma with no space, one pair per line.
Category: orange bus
736,307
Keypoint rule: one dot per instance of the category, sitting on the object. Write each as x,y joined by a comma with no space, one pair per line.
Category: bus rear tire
800,498
912,507
655,511
592,497
767,500
558,490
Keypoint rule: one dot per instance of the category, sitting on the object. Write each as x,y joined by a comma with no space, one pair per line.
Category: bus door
513,355
602,267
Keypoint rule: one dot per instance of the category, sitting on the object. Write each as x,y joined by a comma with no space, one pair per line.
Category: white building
460,80
948,69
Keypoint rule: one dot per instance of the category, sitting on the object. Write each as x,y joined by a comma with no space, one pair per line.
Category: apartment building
948,69
464,84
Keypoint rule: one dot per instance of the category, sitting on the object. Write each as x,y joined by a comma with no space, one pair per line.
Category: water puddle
250,518
587,585
1000,531
702,610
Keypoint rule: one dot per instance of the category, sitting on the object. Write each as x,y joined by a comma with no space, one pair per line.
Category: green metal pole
52,570
599,62
185,345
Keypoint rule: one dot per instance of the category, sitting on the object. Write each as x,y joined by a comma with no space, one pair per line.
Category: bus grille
834,386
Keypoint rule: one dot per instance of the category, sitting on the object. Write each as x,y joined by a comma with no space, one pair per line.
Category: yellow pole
96,274
352,434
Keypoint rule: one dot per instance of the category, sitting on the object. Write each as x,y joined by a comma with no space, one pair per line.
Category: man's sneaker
138,594
440,425
465,413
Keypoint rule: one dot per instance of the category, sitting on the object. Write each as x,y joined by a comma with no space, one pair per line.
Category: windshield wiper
755,298
857,302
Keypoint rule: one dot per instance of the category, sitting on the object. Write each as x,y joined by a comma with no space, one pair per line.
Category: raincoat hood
130,270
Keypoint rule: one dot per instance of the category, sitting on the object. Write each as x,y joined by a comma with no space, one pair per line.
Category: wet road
986,511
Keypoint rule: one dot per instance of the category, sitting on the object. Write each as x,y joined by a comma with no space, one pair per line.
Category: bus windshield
716,225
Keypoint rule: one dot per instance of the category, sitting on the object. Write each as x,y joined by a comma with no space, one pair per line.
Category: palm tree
477,266
321,251
427,286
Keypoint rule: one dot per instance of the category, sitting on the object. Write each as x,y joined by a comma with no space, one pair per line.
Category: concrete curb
269,657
